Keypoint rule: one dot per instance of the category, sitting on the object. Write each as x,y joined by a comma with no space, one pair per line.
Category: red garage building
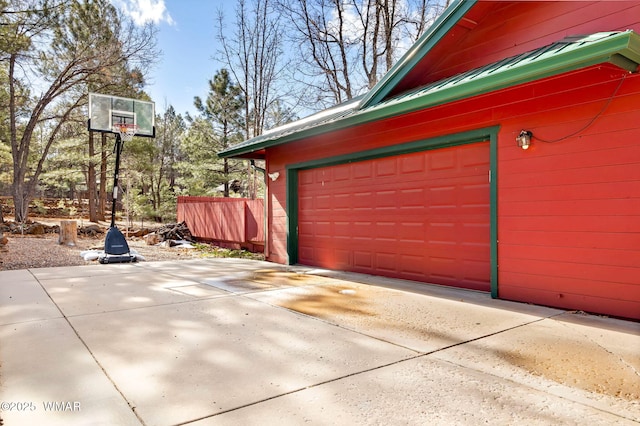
426,177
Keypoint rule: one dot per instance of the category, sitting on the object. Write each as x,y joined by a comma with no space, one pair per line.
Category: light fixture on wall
524,139
274,176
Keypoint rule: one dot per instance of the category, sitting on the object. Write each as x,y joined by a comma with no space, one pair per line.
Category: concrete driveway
237,342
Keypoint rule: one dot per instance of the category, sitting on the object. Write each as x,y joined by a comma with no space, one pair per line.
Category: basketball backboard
106,111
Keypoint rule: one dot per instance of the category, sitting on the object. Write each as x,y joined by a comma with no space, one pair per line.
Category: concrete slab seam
335,379
90,352
418,356
368,370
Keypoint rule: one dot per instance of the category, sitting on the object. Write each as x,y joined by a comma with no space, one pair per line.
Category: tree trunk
68,232
226,177
21,200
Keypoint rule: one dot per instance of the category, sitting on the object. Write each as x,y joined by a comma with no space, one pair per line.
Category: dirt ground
43,251
24,252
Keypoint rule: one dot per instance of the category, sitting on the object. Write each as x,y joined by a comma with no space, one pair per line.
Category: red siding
421,216
276,246
494,30
569,223
568,212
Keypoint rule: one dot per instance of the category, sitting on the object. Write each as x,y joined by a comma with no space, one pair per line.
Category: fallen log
91,230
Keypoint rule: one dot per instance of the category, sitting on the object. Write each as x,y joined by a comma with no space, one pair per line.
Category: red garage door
422,216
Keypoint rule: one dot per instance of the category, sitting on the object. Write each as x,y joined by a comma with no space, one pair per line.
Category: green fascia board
619,48
548,61
436,32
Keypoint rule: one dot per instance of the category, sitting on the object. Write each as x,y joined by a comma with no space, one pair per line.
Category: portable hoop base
109,258
125,118
116,249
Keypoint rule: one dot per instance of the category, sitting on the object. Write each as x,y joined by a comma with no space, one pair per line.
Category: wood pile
174,231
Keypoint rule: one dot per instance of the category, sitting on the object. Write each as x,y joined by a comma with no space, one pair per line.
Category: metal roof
440,28
619,48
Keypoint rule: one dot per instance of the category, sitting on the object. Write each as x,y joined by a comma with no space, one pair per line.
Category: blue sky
187,39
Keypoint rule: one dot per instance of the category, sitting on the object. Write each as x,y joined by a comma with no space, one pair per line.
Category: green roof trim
573,53
436,32
619,48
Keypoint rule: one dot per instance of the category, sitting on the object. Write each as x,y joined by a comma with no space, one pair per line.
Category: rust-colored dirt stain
576,364
279,278
327,298
327,301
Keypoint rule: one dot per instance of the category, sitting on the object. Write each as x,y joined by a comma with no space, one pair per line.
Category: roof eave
449,18
622,50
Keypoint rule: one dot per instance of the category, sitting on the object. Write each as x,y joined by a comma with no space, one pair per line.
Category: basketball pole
116,249
118,150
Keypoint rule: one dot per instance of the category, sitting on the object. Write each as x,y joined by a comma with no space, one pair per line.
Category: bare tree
345,46
254,56
66,48
320,28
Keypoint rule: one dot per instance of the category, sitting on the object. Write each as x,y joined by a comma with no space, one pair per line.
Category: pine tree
223,110
68,46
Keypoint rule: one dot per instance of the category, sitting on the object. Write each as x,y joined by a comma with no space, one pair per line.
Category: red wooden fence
230,222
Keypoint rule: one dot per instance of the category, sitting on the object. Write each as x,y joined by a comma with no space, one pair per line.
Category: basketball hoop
126,131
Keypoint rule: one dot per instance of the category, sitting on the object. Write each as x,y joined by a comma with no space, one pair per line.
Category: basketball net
126,131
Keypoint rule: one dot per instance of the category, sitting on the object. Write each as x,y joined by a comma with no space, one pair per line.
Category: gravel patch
25,252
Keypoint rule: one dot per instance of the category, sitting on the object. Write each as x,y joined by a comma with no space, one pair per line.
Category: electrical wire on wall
585,127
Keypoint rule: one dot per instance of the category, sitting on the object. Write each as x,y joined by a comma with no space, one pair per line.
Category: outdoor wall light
274,176
524,139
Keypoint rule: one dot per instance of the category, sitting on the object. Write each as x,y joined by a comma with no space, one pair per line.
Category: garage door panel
442,160
475,270
363,259
473,155
412,198
362,170
442,267
305,179
412,164
412,264
421,216
306,252
306,230
341,174
385,262
343,259
387,167
385,231
476,233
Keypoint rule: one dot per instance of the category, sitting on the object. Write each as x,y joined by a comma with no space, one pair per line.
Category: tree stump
68,232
